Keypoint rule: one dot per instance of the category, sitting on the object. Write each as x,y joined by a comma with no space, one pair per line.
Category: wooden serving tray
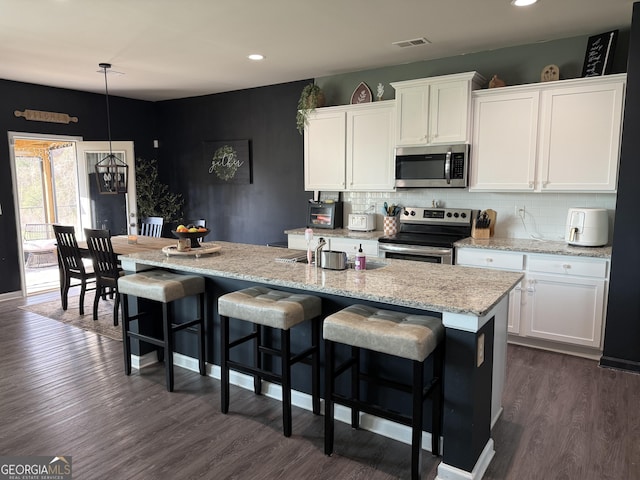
203,250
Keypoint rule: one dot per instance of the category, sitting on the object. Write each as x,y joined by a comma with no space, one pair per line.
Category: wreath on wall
224,163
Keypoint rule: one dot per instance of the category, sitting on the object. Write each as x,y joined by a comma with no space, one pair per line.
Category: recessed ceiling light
523,3
256,56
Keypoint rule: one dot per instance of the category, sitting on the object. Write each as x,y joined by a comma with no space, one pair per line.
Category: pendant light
111,172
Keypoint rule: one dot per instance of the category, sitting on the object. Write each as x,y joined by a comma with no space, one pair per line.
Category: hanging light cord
105,67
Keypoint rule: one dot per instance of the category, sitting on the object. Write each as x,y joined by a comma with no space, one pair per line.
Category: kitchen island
472,303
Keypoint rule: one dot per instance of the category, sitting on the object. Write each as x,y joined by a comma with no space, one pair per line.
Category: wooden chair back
68,251
151,226
105,261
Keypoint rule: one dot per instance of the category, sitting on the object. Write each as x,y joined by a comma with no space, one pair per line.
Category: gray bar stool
413,337
164,287
267,308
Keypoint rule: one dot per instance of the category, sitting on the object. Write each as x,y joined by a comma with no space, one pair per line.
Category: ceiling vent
412,43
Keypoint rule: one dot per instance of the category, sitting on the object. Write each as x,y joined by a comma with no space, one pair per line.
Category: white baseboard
448,472
10,296
368,422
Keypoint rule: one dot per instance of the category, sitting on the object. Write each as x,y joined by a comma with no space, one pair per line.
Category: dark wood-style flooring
63,392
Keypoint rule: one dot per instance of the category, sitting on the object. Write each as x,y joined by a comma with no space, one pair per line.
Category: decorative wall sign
228,162
550,73
599,55
362,94
40,116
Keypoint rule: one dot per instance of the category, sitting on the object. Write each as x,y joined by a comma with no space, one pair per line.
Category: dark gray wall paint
622,332
256,213
130,120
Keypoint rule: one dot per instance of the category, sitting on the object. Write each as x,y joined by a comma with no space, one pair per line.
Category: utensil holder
390,225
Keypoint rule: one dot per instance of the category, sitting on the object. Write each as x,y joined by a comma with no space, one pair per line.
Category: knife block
480,232
485,232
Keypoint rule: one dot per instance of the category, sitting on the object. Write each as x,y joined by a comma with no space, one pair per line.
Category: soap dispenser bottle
361,260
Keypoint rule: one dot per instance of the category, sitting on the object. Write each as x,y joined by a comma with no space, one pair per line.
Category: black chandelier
111,172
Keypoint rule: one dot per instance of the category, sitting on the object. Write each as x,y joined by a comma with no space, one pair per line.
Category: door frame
126,147
12,136
82,180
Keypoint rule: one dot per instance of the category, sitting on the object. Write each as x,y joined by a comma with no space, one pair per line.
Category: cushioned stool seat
274,309
163,287
409,336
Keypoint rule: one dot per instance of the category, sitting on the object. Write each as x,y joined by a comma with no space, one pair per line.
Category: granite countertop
339,232
433,287
535,246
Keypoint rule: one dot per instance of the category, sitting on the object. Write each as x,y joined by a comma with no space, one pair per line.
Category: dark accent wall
622,332
130,120
256,213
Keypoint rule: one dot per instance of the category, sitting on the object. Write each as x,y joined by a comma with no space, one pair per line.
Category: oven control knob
449,214
456,215
463,215
413,213
406,212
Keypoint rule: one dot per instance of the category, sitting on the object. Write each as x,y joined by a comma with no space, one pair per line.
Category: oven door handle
416,250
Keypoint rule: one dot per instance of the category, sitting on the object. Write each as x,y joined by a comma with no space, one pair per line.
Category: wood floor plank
64,392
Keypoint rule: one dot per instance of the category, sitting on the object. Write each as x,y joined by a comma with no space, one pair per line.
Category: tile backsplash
545,213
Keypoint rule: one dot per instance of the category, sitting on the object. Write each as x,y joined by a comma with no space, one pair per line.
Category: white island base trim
371,423
447,472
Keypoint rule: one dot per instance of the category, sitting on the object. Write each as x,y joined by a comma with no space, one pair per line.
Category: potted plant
310,98
153,197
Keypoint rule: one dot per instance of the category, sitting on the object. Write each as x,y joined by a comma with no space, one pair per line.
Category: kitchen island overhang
472,302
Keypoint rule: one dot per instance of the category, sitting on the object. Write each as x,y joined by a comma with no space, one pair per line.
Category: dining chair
106,268
151,226
71,265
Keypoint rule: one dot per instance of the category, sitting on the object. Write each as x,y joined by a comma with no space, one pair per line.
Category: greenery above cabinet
436,110
554,136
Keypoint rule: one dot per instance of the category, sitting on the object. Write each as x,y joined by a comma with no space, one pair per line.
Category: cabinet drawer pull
489,260
566,266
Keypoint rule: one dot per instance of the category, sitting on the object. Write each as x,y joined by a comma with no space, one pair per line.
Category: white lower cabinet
564,308
513,261
560,300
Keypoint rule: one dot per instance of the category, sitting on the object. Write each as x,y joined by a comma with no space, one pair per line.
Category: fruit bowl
193,236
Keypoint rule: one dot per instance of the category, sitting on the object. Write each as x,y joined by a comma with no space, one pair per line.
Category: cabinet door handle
489,260
531,288
531,185
566,266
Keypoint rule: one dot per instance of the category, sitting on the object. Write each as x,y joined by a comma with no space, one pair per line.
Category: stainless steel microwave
441,166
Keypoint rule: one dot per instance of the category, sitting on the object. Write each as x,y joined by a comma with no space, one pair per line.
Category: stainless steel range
428,234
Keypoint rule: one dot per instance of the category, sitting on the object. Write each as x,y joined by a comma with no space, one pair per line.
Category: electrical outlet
520,211
480,349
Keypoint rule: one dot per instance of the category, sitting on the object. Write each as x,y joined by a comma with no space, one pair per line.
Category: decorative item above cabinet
435,110
551,136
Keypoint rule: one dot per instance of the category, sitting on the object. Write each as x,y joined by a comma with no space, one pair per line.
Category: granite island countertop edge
419,285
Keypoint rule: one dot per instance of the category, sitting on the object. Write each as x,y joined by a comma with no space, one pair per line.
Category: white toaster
363,222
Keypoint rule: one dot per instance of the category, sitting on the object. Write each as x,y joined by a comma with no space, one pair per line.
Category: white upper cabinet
350,148
436,110
370,147
580,133
504,142
324,150
556,136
